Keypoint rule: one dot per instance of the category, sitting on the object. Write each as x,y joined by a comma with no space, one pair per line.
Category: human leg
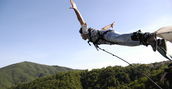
121,39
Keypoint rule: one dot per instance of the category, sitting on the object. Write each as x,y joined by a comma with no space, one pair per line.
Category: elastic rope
130,65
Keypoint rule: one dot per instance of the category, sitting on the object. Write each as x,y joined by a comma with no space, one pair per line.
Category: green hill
106,78
26,72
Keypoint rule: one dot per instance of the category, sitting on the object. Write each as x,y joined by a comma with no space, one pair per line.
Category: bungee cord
97,47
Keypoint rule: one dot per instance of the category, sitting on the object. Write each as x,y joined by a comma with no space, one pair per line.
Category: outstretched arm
108,26
78,14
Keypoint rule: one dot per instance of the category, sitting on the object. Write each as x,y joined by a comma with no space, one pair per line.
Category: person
167,77
108,36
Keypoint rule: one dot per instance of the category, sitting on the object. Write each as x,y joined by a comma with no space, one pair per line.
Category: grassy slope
25,72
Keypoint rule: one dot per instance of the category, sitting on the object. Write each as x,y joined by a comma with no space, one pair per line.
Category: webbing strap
100,37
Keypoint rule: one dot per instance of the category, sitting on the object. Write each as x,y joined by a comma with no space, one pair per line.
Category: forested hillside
26,72
106,78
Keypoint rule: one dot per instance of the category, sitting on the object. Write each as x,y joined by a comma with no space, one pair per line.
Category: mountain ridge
116,77
26,72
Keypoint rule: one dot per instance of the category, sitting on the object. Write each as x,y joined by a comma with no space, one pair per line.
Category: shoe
162,44
162,49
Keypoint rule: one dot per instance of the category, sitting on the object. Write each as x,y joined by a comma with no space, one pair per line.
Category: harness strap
90,39
100,37
89,33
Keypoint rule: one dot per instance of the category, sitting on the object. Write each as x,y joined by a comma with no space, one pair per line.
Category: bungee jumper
108,36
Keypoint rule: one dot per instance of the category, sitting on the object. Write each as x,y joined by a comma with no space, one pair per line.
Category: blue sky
46,31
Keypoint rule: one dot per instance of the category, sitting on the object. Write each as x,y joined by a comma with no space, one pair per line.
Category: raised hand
78,14
73,5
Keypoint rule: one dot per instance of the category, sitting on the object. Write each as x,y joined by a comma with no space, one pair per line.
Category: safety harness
99,38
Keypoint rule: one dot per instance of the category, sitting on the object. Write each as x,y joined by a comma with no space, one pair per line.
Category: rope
130,65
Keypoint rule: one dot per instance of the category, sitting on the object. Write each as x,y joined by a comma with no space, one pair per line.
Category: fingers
71,1
72,7
73,4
